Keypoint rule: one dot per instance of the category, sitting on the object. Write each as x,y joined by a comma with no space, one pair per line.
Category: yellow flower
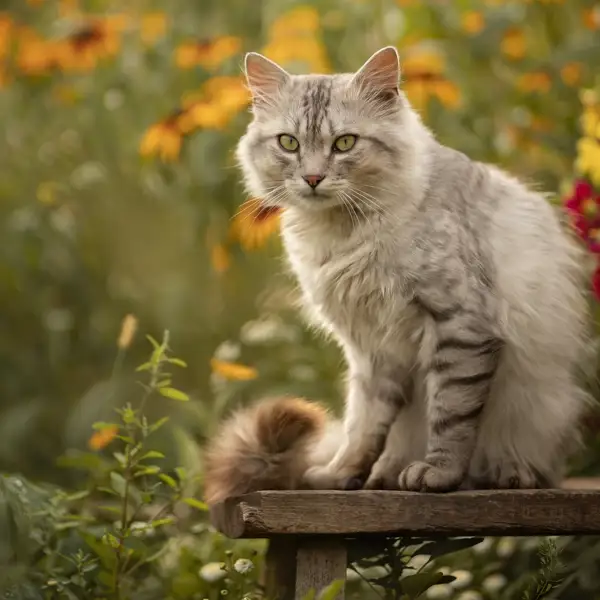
300,20
102,438
535,82
209,54
473,22
163,139
153,27
94,40
591,17
590,121
234,371
253,224
571,73
217,102
513,43
588,158
35,55
127,333
220,258
423,74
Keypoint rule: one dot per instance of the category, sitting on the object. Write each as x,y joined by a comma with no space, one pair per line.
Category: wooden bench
309,530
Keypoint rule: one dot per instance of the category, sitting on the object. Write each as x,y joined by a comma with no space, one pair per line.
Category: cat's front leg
458,383
371,406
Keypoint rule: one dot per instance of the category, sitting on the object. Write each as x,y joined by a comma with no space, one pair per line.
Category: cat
452,289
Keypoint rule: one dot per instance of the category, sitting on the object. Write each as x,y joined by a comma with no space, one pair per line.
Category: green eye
288,142
344,143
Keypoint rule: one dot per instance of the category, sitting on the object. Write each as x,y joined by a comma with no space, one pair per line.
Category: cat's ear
380,74
265,78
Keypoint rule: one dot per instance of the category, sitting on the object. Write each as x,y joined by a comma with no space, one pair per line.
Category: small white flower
506,547
442,590
352,575
243,565
141,529
484,546
470,595
494,583
228,351
212,572
461,579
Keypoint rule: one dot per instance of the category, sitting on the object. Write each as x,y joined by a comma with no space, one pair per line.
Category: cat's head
318,141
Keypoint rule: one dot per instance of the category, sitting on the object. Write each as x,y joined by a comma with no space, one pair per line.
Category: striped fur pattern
451,287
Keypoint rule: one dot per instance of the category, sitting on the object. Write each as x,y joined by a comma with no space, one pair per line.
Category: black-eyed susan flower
423,74
295,37
209,54
233,371
514,43
254,224
536,81
153,26
571,73
164,138
35,54
472,22
92,41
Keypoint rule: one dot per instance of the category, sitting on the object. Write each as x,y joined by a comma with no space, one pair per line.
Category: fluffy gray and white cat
452,288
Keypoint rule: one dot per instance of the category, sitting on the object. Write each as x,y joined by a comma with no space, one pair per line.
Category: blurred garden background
122,216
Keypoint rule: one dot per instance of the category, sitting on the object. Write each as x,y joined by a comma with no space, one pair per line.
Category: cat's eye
344,143
288,142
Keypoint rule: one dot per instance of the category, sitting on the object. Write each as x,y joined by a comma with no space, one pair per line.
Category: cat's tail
268,446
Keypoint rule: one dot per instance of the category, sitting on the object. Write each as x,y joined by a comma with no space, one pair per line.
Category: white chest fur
353,286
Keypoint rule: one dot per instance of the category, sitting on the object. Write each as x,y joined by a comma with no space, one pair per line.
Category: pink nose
313,180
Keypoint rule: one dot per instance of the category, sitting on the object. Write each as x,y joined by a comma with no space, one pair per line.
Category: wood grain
493,512
280,568
320,562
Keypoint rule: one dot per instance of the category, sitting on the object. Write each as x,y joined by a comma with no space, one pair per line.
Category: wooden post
280,568
320,561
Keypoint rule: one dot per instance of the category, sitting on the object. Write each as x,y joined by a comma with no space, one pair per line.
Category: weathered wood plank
320,562
489,512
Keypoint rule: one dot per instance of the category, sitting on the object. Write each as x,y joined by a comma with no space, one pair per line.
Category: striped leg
457,385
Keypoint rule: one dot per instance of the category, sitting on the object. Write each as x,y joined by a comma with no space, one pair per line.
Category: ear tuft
264,77
380,74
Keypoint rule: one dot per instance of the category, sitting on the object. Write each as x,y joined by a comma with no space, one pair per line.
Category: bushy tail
268,446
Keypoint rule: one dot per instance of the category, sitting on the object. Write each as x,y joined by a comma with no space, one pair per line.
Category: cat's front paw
327,478
421,476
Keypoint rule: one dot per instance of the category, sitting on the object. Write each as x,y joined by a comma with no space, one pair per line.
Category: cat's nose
313,180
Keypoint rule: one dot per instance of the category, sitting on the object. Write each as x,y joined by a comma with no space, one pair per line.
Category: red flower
596,283
583,206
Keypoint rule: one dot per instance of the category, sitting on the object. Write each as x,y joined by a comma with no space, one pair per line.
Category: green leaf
164,382
154,343
310,595
155,426
415,585
168,480
107,490
112,509
147,470
152,454
100,425
118,483
181,473
144,367
108,539
173,394
120,458
162,522
178,362
332,591
196,504
77,496
447,546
